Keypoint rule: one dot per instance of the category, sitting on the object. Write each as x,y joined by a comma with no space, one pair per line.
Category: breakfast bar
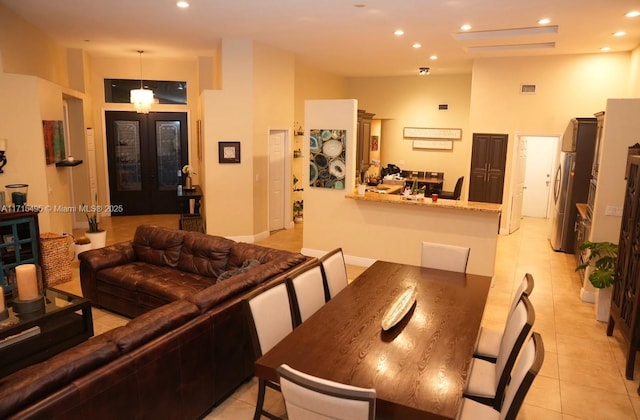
391,227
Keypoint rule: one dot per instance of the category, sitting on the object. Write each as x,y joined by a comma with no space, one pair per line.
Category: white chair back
444,257
335,271
522,376
308,397
526,287
270,311
516,331
307,291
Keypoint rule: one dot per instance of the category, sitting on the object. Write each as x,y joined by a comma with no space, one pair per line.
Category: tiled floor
583,372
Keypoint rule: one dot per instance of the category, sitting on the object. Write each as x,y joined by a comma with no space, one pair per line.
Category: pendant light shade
142,98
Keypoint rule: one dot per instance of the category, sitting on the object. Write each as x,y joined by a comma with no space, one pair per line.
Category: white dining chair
487,381
444,257
307,397
488,343
269,312
335,271
524,372
308,289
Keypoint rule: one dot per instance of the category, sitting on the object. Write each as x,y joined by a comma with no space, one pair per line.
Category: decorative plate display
327,158
313,172
314,142
332,148
337,168
399,308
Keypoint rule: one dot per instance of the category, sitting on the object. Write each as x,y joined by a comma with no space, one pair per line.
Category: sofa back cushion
203,254
241,252
35,382
152,324
158,245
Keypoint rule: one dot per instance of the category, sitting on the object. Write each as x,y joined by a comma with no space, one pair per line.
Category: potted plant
81,244
600,263
96,235
298,205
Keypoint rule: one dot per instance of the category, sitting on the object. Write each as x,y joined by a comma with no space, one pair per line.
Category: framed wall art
327,168
53,141
229,152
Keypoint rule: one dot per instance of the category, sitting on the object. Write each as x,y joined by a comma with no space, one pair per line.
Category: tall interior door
146,153
488,163
518,185
538,176
277,147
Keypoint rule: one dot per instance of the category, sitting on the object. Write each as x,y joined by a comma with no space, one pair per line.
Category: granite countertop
441,203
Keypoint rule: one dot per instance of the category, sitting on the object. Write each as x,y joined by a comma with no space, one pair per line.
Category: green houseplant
602,258
96,235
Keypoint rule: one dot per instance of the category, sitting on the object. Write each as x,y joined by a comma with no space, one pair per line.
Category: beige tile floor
583,372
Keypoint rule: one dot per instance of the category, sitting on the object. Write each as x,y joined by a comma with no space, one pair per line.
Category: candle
3,145
2,307
27,281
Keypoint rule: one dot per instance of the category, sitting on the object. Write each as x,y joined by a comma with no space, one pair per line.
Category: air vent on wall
531,89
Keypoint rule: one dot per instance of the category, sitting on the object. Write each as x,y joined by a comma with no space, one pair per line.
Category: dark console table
65,322
188,220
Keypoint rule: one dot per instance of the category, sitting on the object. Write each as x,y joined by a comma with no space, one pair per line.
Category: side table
188,220
66,321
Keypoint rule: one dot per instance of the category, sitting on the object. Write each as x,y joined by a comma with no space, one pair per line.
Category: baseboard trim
349,259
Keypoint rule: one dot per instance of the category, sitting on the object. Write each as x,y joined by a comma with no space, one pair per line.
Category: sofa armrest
91,262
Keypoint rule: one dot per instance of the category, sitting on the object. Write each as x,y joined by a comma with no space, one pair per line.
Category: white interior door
518,185
538,176
277,155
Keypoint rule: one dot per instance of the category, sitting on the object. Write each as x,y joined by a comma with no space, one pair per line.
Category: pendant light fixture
142,98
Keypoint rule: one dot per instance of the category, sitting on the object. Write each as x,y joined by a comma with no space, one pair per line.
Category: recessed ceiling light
433,57
465,27
544,21
359,5
605,49
619,33
182,4
398,32
633,13
417,45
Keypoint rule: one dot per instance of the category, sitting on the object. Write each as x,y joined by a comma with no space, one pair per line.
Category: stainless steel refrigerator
571,180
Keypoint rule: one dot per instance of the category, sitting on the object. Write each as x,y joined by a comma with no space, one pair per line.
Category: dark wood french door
146,153
488,163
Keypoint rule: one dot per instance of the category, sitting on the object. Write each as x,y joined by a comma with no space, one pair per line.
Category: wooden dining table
419,367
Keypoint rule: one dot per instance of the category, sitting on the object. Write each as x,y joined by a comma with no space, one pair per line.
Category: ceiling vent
528,89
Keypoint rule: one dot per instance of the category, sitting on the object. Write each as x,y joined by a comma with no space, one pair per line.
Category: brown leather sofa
175,361
162,265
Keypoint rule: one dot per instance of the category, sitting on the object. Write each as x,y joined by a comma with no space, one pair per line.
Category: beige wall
273,108
27,50
413,102
27,101
567,86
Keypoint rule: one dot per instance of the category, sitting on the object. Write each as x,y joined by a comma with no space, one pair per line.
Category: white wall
621,130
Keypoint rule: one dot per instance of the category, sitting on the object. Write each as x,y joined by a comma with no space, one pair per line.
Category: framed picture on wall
53,141
229,152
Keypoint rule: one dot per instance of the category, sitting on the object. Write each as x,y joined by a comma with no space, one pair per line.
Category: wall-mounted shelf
67,163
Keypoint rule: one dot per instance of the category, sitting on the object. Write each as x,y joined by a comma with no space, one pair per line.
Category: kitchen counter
427,202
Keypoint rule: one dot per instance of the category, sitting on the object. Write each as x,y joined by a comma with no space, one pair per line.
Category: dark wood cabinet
363,149
19,244
488,161
625,293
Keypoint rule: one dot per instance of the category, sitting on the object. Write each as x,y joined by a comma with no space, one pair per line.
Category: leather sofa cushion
242,251
227,289
203,254
34,382
158,245
166,283
152,324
